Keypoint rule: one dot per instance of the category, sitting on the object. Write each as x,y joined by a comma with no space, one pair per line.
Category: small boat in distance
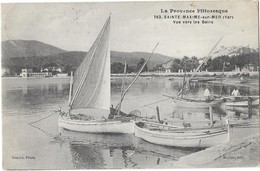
241,101
195,103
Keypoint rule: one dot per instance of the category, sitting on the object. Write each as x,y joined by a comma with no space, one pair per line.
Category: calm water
45,146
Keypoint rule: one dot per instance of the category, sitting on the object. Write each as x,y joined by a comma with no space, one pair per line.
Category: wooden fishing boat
108,126
85,123
169,135
194,103
89,97
203,80
241,101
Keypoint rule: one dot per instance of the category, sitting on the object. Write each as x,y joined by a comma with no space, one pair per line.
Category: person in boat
207,94
235,92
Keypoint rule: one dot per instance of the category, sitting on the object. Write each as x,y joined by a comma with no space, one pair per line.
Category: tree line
216,64
185,63
239,61
118,67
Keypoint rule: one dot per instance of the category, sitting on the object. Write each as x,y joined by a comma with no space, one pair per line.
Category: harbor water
43,145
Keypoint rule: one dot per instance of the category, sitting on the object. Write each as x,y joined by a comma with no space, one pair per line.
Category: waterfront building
62,75
26,73
167,66
29,73
5,71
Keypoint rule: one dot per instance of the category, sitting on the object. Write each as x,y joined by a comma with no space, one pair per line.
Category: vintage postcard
140,85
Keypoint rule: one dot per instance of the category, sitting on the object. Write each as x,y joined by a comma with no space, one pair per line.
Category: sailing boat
89,98
195,103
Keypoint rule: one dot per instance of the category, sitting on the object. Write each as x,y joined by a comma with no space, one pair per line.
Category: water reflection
27,97
86,157
117,151
96,156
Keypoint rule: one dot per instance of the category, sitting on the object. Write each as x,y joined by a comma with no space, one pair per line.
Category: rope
41,119
59,137
147,105
55,137
150,107
49,134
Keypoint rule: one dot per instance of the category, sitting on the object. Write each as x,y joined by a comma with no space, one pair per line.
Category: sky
75,26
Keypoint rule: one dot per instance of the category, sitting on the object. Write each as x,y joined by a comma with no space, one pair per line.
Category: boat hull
183,139
108,126
194,103
243,103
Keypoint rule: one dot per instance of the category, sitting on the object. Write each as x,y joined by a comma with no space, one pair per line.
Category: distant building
41,74
237,69
26,73
29,73
5,71
167,66
246,69
62,75
51,69
59,70
251,67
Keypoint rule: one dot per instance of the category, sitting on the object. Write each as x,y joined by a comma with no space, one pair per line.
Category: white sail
91,83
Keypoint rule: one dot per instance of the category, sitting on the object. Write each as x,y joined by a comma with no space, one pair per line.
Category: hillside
19,54
27,48
71,59
233,51
132,58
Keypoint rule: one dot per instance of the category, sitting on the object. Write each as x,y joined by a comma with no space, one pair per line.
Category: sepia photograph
130,85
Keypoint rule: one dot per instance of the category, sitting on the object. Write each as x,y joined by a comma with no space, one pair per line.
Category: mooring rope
49,134
58,137
31,124
147,105
41,119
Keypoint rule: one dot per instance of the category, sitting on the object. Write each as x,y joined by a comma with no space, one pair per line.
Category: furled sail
91,82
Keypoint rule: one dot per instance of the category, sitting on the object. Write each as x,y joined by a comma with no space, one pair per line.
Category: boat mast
123,82
70,93
122,90
204,61
135,78
221,85
183,83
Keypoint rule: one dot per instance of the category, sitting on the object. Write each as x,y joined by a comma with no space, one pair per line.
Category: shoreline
240,153
3,78
252,82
